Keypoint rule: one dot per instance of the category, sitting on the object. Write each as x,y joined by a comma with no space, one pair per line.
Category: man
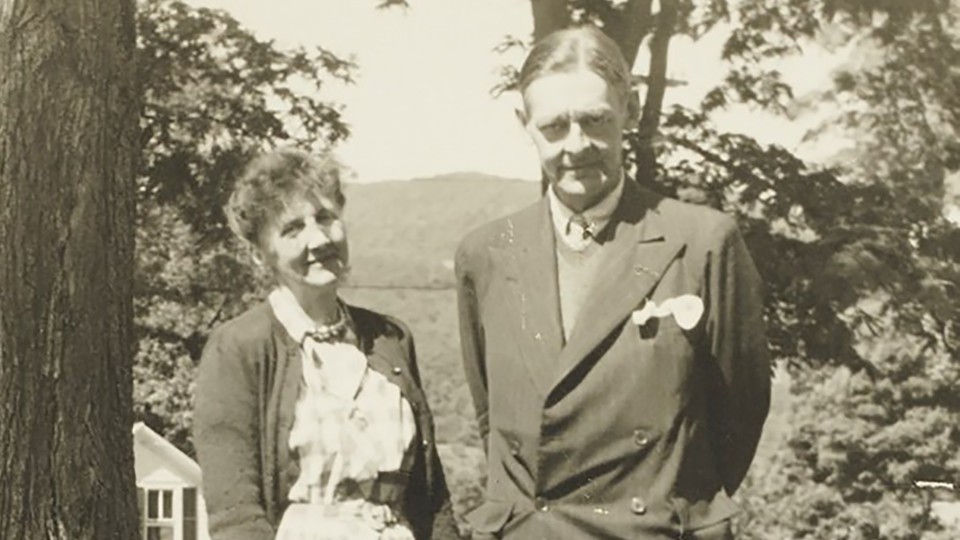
613,339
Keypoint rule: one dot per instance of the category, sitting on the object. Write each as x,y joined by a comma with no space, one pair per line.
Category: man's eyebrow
595,111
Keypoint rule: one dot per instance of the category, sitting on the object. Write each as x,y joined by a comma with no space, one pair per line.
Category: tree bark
548,16
68,126
628,25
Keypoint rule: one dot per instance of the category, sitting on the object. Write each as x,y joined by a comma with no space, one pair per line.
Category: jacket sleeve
472,340
226,435
740,391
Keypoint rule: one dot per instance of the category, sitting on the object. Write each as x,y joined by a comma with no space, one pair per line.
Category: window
159,523
189,513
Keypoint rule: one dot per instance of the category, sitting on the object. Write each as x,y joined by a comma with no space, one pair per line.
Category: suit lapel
637,256
528,256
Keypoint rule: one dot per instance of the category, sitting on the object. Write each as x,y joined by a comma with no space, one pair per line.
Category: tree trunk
68,123
548,16
656,88
628,25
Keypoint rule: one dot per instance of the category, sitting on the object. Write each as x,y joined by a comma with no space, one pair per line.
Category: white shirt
574,235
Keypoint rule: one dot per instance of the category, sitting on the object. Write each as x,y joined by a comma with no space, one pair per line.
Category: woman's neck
320,304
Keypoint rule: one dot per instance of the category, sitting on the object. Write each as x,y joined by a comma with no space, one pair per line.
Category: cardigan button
640,439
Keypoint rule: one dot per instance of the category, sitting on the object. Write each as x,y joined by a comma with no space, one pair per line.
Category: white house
168,489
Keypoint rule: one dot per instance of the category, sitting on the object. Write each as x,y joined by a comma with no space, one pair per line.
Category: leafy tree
68,130
214,94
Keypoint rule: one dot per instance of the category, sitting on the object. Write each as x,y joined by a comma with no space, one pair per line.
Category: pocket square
686,309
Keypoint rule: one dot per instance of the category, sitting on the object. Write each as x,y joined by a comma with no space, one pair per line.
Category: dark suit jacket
247,388
623,431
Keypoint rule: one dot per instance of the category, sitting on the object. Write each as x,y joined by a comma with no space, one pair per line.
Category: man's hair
273,179
582,47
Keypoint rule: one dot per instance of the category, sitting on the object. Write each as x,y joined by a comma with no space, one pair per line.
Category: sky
421,105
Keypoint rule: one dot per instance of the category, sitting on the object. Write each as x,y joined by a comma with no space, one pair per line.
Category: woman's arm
226,434
428,505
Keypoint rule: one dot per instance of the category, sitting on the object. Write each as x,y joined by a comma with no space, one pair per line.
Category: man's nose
576,140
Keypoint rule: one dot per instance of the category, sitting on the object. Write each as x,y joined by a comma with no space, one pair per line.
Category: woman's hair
274,178
582,47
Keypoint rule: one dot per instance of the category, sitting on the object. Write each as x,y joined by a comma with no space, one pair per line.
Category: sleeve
226,435
428,503
740,393
471,342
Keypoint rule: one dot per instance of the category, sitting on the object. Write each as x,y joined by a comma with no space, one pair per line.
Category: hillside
406,232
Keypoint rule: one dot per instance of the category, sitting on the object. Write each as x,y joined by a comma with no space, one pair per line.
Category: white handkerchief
686,309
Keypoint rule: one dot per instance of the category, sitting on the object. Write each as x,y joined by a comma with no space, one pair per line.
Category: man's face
576,120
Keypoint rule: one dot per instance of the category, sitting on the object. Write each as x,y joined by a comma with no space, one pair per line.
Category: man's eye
594,120
552,128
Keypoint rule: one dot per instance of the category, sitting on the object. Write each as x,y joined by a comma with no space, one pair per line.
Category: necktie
586,227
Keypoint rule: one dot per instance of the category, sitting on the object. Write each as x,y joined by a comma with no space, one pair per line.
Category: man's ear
521,116
633,107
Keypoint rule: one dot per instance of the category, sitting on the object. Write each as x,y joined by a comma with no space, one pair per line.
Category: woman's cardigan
246,392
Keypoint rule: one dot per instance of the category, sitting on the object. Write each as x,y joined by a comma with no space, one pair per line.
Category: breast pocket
664,355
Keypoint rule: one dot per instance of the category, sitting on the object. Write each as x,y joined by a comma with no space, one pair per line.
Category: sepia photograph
480,269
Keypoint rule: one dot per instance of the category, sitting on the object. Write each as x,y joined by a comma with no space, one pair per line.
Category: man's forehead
569,93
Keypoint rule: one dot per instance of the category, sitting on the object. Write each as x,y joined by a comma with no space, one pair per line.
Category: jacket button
637,506
542,505
640,439
397,371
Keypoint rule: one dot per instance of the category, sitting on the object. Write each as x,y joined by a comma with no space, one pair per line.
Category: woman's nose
316,236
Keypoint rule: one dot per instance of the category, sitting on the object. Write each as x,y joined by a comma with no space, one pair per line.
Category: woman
310,420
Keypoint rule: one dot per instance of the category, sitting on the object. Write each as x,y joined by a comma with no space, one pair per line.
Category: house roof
180,462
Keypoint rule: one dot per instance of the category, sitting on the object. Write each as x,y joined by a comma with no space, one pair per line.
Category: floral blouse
350,425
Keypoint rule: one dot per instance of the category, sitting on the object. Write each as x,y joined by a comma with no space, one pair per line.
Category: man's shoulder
695,223
498,231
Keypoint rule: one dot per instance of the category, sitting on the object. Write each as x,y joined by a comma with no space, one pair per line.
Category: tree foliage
213,95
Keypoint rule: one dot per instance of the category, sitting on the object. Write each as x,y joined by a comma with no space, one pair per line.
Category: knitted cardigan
246,391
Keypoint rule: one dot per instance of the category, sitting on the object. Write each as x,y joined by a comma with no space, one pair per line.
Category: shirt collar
598,215
293,318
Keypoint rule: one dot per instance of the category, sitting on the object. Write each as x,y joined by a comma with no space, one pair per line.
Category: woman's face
305,244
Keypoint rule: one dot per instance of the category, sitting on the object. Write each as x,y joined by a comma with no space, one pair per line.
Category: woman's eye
326,218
